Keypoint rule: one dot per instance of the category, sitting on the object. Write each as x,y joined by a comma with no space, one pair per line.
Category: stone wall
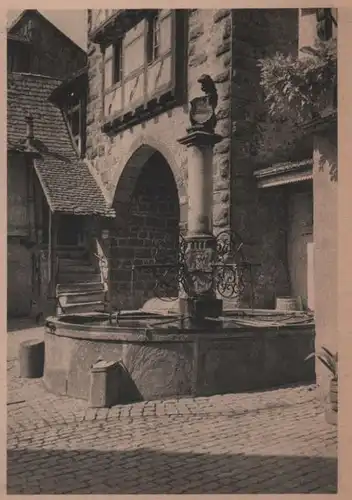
210,52
151,224
111,156
52,53
225,44
108,156
258,216
163,364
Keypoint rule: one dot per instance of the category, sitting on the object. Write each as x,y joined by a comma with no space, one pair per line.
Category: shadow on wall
146,471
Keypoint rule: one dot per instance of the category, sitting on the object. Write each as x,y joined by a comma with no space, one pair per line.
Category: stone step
71,262
87,286
78,268
80,297
72,252
74,278
81,307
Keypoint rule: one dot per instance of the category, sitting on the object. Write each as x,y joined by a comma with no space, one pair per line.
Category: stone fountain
196,349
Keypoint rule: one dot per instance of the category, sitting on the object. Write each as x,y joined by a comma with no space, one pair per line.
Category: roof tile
66,180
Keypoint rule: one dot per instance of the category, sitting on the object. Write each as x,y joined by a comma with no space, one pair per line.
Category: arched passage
148,216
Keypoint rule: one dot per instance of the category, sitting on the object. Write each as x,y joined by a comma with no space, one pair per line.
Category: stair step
74,278
88,286
78,268
97,305
80,261
81,296
71,252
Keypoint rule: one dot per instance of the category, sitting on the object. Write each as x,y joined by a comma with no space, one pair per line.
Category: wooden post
50,243
106,236
54,251
53,227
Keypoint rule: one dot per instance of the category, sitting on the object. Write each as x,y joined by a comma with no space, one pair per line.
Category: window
117,62
73,115
113,64
153,38
18,57
142,66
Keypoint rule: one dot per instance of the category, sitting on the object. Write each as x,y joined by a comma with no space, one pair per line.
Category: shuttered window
74,116
141,64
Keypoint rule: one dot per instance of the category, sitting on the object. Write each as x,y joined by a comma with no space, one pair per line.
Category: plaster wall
325,245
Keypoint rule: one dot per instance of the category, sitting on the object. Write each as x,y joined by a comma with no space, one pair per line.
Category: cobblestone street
270,442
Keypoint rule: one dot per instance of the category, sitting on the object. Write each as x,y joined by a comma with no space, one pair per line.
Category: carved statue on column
202,113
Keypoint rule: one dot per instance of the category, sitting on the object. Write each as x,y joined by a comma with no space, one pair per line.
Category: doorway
300,243
71,231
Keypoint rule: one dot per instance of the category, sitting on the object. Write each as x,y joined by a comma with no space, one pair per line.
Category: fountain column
199,297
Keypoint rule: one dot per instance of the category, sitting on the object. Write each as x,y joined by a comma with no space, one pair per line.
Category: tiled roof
66,180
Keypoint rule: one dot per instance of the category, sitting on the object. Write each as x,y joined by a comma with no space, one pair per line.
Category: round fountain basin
162,357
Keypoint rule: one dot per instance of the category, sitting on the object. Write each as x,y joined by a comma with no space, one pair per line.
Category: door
71,231
300,242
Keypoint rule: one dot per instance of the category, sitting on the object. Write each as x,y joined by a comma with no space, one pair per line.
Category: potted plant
330,361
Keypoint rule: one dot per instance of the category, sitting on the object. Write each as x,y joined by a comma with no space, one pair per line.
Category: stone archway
148,214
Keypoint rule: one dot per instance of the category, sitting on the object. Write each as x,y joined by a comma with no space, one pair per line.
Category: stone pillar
199,298
200,188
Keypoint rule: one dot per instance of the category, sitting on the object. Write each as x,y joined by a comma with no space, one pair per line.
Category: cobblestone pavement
269,442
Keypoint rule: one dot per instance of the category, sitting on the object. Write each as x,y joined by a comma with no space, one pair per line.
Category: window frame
118,57
152,49
154,101
70,110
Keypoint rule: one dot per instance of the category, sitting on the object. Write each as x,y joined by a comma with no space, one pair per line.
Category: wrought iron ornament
226,273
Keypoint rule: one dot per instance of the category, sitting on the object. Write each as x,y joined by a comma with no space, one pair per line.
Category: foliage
295,90
328,359
298,88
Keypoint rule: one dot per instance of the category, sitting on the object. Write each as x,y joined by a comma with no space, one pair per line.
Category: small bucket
286,304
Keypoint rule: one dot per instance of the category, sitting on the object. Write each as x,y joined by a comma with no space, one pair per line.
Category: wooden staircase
79,286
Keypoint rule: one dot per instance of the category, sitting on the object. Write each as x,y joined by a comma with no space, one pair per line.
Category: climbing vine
300,87
296,90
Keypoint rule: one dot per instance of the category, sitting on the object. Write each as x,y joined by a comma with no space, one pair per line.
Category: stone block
223,113
223,146
104,385
223,166
222,77
223,127
227,59
221,14
227,28
31,356
191,49
198,59
196,31
221,215
223,47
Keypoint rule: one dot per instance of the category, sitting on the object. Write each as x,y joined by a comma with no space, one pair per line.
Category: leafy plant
328,359
295,91
299,88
